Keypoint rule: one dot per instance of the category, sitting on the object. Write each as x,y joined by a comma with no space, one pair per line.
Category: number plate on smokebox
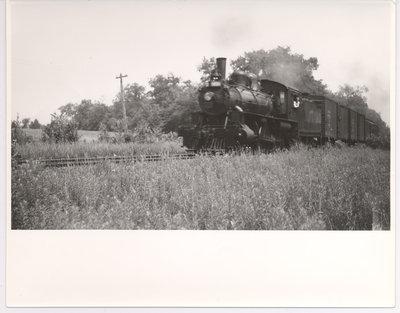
208,105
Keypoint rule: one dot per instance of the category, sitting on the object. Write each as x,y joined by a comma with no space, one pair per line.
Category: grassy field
89,146
325,188
84,135
42,150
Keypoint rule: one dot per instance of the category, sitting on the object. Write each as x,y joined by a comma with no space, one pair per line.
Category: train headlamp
215,84
208,95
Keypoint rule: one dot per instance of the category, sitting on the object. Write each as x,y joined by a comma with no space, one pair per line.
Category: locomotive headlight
208,95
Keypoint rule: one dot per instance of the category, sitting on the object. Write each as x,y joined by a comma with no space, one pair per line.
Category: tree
352,97
206,68
18,136
112,124
69,109
35,124
165,90
99,113
25,122
88,115
135,100
139,108
16,123
62,128
281,65
172,101
376,118
179,113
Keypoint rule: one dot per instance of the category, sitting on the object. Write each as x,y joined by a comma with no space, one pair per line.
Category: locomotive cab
286,99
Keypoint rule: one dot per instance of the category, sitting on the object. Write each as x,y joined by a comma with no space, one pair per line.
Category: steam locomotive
244,111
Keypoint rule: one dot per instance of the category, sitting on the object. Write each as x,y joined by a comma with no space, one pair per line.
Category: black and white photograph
206,118
229,122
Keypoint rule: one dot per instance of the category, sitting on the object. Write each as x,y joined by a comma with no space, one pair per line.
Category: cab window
281,97
296,102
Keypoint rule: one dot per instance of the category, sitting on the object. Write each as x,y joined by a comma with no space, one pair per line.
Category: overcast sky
66,51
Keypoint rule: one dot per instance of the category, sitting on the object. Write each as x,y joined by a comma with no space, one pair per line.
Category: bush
379,142
104,135
143,133
62,129
18,138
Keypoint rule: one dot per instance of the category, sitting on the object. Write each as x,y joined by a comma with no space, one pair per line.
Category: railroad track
65,162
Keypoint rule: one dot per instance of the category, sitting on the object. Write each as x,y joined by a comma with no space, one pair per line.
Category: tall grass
325,188
84,135
42,150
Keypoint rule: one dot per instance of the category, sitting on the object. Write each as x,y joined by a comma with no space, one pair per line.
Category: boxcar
320,118
361,127
317,118
323,119
330,119
371,129
309,118
343,123
353,129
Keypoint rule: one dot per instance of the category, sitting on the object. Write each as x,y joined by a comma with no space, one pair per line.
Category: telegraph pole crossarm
120,77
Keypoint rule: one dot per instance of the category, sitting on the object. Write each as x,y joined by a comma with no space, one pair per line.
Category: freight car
371,130
244,111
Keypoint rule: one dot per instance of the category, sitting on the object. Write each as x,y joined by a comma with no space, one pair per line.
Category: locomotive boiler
236,112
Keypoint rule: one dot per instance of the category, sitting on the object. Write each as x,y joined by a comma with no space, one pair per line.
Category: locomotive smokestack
221,66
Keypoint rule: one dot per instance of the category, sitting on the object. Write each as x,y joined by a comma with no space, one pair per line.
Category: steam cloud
230,32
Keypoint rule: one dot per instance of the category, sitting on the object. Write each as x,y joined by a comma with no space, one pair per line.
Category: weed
326,188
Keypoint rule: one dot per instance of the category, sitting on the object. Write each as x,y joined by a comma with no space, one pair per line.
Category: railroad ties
65,162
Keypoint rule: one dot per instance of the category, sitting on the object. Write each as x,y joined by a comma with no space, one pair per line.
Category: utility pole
123,102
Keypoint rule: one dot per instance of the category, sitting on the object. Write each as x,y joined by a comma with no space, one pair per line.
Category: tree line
26,123
170,99
165,106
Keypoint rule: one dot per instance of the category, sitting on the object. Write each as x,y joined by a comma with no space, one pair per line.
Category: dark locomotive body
243,111
237,112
